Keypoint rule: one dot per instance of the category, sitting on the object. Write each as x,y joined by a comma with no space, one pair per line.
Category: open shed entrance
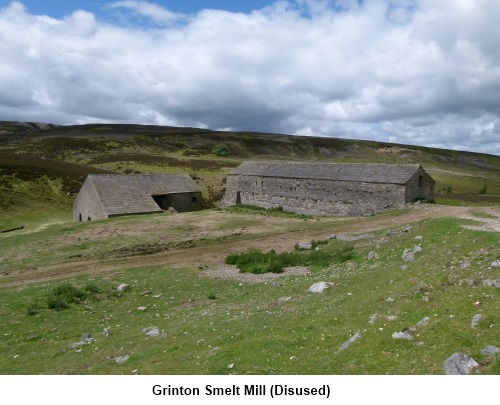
164,201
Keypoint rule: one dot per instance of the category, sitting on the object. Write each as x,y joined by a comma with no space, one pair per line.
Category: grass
207,324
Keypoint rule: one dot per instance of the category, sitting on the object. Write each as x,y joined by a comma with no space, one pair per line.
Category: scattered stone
333,236
151,331
76,345
425,298
135,372
147,292
417,249
404,267
496,263
391,317
402,335
122,288
371,255
304,245
373,318
349,342
407,228
488,283
121,359
285,299
423,322
171,210
87,338
459,364
107,331
320,287
276,284
231,365
407,256
316,248
465,265
388,233
419,237
490,350
142,308
475,320
390,299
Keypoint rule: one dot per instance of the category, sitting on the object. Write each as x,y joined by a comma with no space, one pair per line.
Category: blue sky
61,8
420,72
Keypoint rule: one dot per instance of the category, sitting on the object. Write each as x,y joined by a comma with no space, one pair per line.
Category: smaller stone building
110,195
327,188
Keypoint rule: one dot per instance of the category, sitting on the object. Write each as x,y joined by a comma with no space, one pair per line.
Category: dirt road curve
485,218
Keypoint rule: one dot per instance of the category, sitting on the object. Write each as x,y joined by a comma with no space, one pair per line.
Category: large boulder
459,364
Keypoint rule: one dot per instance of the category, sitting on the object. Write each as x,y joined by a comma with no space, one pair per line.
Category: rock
285,299
333,236
147,292
135,372
490,350
349,342
122,288
475,320
142,308
424,321
76,345
404,267
390,299
407,228
107,331
87,338
304,246
488,283
496,263
320,287
407,256
417,249
459,364
419,237
171,210
231,365
465,265
402,336
121,359
371,255
373,318
151,331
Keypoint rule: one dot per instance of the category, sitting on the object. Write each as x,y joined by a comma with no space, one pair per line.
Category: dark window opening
238,198
420,181
89,219
80,217
194,199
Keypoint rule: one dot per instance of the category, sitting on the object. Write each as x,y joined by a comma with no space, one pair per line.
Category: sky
420,72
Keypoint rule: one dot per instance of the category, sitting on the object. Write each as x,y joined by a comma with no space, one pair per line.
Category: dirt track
487,219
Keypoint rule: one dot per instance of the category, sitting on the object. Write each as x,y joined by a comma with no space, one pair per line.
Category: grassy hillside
59,279
213,322
43,166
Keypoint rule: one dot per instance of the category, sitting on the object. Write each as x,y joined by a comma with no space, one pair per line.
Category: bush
259,263
220,149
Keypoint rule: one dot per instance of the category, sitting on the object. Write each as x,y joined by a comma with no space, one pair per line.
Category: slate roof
131,194
354,172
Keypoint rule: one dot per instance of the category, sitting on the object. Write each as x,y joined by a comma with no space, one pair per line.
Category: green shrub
259,263
220,149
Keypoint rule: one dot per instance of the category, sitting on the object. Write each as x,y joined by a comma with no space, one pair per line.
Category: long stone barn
327,188
110,195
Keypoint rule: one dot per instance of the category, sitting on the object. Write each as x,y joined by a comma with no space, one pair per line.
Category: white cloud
408,71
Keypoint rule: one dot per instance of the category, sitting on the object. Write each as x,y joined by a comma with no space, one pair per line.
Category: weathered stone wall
420,186
310,196
87,205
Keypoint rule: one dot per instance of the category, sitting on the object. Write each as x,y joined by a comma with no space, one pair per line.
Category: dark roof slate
368,173
132,194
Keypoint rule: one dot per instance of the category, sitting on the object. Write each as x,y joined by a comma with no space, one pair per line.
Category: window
420,181
194,199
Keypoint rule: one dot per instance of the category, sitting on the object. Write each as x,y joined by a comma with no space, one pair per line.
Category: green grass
207,324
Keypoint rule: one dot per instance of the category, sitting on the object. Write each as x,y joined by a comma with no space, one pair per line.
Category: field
186,311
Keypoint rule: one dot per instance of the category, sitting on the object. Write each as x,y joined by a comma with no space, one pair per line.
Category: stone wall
420,186
87,205
310,196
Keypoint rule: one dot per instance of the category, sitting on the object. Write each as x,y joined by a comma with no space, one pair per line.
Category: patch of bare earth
230,272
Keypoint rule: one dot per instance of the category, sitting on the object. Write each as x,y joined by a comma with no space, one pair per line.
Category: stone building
110,195
327,188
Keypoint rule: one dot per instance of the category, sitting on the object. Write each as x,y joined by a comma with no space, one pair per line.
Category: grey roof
128,194
368,173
